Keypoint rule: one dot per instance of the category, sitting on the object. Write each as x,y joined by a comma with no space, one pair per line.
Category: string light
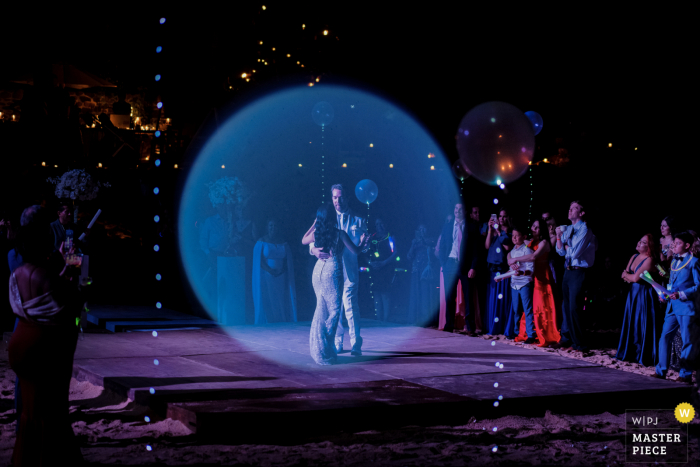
325,32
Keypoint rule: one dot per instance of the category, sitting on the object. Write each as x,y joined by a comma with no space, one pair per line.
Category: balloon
459,171
535,120
495,142
322,113
366,191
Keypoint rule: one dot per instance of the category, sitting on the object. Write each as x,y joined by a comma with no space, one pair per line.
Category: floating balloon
322,113
535,120
366,191
459,171
495,142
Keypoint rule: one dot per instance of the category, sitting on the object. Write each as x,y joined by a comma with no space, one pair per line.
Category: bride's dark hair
326,233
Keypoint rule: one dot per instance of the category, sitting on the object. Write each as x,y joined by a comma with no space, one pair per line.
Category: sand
112,430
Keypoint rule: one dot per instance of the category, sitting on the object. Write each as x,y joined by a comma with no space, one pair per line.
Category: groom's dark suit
455,270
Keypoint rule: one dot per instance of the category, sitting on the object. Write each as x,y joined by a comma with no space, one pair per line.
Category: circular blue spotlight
156,362
157,133
159,49
159,105
159,305
155,333
157,77
156,190
156,247
156,218
157,162
495,201
152,391
158,277
290,114
147,419
162,21
148,447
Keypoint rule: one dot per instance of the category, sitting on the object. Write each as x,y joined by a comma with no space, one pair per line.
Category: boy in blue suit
680,311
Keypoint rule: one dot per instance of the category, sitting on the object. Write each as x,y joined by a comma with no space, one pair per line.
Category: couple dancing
335,238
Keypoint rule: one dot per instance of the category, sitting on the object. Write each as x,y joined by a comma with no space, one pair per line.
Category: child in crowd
680,311
521,288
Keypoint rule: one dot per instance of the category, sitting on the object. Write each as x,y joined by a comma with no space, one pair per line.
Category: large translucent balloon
366,191
459,171
535,120
495,142
322,113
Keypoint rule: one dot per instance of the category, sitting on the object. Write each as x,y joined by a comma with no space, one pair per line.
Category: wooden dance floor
252,382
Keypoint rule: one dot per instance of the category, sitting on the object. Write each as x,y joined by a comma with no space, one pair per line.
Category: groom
354,226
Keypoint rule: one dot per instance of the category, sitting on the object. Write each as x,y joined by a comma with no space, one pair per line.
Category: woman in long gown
44,296
544,305
328,282
274,291
641,324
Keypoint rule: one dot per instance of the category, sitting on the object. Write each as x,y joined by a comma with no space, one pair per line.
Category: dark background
596,75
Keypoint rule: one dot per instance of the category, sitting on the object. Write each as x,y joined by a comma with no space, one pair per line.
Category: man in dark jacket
459,257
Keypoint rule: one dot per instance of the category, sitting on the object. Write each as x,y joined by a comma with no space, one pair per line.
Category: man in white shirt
354,226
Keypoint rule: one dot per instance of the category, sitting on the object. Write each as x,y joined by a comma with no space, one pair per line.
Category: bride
328,282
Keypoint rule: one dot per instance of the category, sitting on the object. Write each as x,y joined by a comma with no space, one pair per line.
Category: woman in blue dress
274,291
498,298
641,324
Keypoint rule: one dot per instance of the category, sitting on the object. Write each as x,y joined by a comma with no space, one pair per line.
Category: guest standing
480,285
578,245
545,305
382,252
423,301
668,228
680,311
641,324
274,290
458,257
44,296
498,300
521,289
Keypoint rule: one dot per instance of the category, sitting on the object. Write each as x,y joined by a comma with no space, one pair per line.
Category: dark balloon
366,191
535,120
495,142
322,113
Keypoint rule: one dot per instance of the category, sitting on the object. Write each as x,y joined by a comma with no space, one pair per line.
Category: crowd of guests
532,284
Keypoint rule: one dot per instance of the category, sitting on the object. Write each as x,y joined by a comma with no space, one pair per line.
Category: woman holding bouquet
641,324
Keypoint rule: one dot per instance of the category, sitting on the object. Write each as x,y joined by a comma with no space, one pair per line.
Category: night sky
596,76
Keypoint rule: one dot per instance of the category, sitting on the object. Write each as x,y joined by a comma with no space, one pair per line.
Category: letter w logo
685,412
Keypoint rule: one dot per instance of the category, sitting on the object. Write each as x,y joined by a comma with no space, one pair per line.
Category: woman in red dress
44,297
543,303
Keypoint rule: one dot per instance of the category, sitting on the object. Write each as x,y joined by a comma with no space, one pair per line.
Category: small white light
500,296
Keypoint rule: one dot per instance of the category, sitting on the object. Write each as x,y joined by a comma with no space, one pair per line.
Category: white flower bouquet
227,190
76,185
